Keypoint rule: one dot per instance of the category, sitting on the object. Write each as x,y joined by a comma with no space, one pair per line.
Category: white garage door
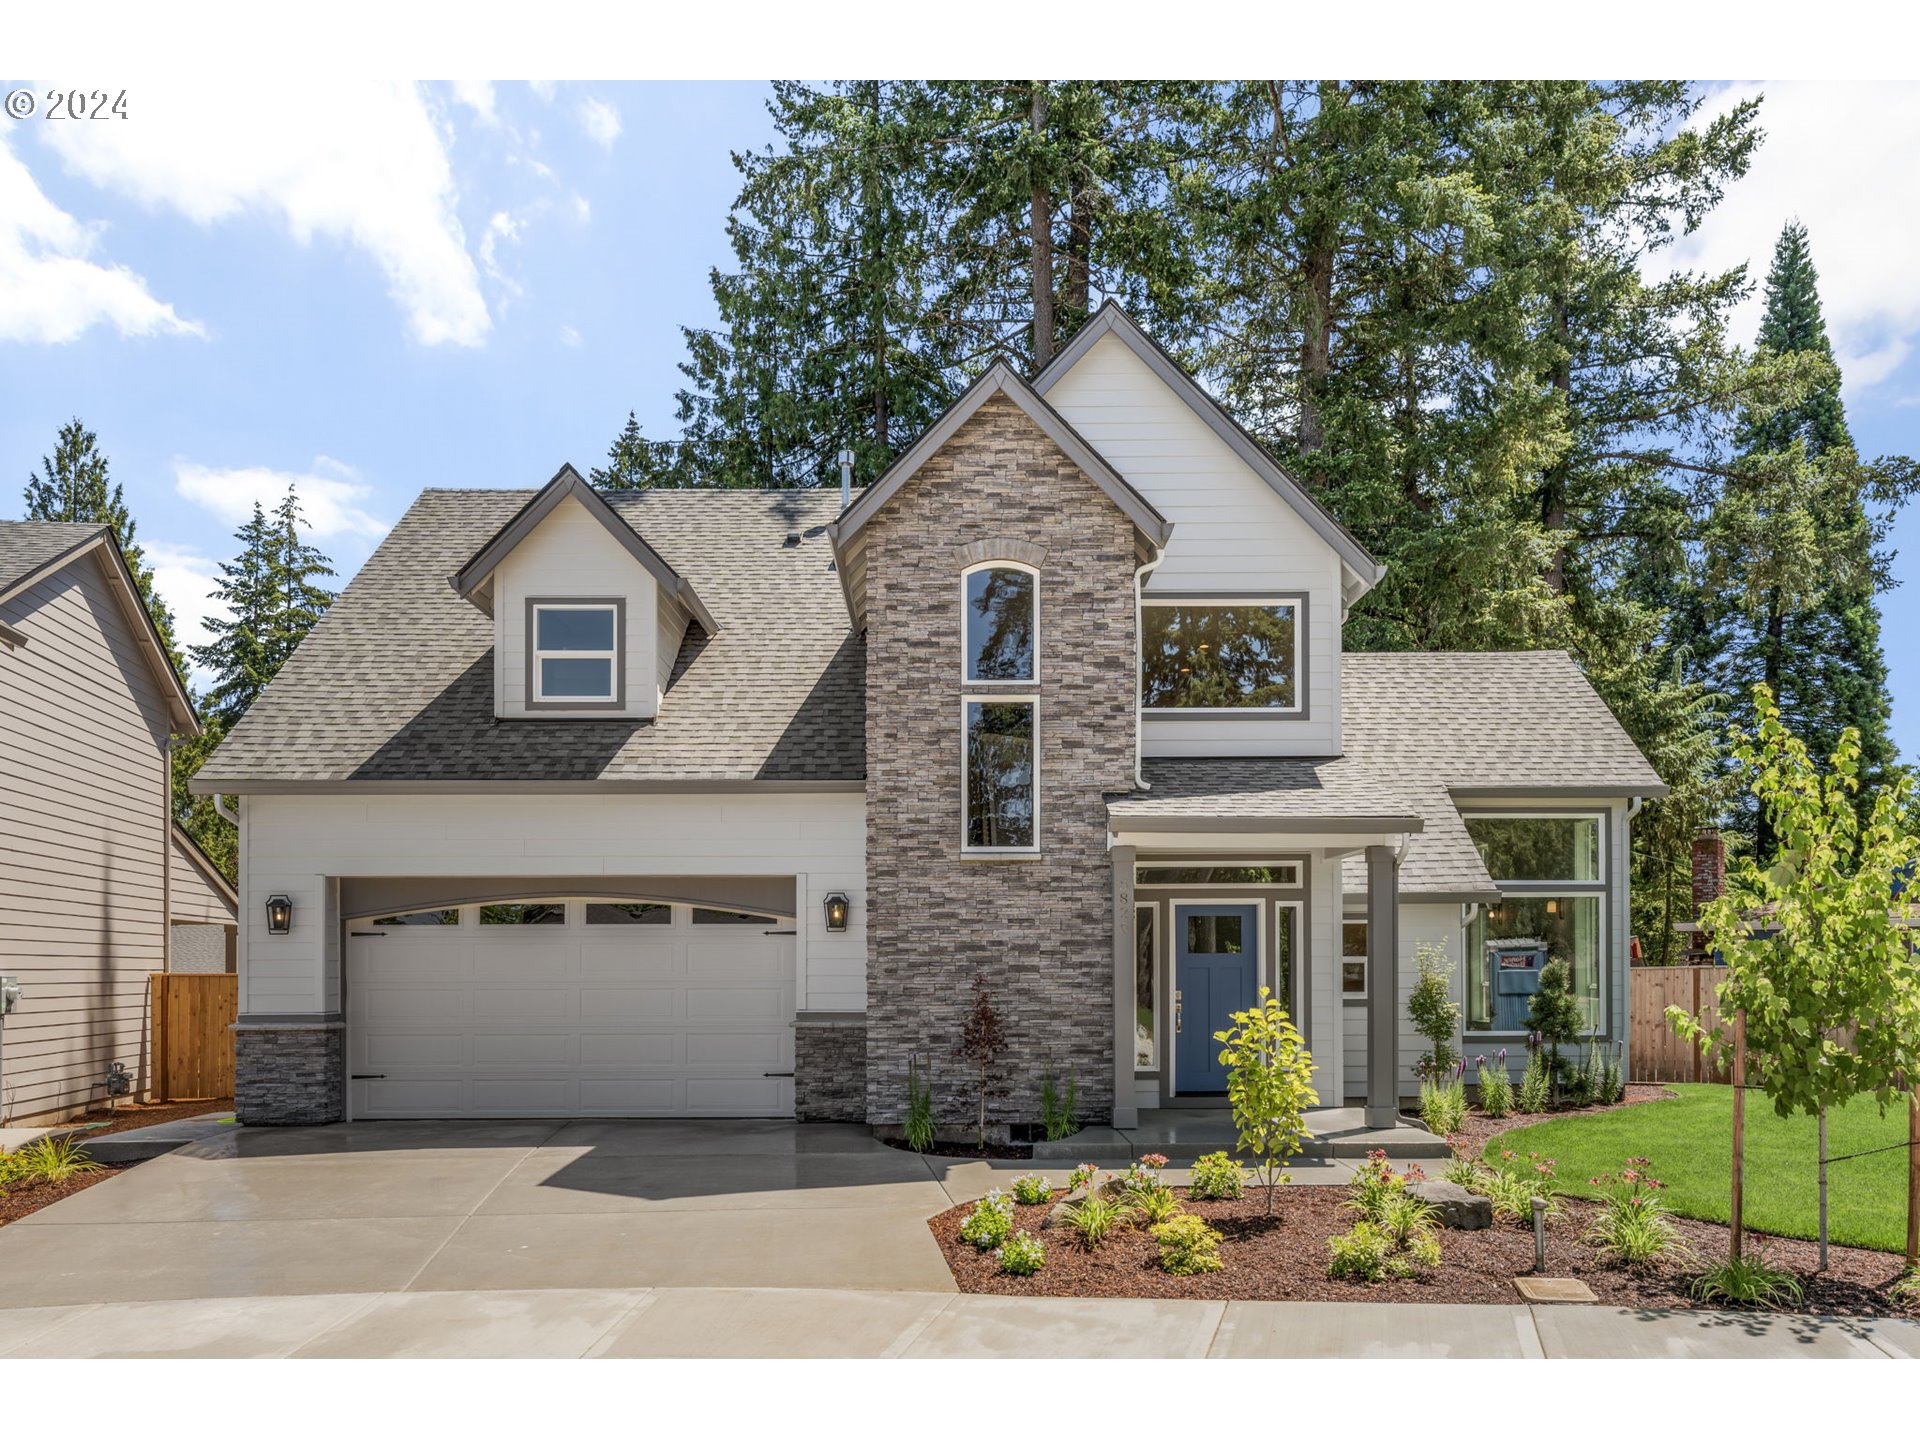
616,1011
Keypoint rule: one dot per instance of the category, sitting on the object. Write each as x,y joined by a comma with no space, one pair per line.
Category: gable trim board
470,580
1111,319
121,582
1153,528
203,863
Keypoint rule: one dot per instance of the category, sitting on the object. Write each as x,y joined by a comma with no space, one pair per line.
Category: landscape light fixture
279,915
837,906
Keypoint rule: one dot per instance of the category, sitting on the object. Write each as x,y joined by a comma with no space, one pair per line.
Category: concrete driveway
478,1206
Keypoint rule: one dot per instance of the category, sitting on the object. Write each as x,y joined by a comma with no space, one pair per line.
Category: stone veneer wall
295,1075
1040,929
830,1071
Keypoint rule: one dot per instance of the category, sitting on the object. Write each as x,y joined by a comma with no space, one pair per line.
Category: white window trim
1341,958
1263,962
1297,866
611,655
966,655
991,852
1157,1063
1297,603
1551,890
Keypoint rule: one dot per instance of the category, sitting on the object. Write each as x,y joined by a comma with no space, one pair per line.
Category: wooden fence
1655,1053
193,1019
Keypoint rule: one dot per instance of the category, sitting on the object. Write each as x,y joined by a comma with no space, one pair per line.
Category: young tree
1269,1085
1554,1013
73,485
1819,962
1434,1011
982,1043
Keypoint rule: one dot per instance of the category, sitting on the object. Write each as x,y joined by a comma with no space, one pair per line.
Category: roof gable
1112,320
472,581
31,550
1000,380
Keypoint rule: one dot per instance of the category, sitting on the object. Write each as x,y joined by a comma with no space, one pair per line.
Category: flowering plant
1632,1227
989,1222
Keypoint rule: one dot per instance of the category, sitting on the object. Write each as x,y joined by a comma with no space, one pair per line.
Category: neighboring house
94,875
715,802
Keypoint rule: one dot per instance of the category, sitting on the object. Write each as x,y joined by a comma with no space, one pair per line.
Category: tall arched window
1000,658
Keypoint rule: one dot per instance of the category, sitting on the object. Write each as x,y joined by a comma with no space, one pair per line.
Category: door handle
1176,1012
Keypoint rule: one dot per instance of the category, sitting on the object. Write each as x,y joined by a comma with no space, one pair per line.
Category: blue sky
370,288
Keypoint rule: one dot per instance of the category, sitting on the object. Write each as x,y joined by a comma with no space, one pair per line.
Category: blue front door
1215,960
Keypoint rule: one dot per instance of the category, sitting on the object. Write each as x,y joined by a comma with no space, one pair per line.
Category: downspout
1139,659
225,811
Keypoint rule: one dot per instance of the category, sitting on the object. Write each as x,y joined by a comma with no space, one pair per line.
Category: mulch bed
1286,1259
137,1114
22,1200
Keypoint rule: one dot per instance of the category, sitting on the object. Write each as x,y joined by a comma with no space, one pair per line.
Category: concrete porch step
1183,1136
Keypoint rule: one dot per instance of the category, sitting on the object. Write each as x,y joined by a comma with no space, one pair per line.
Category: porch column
1383,988
1125,1116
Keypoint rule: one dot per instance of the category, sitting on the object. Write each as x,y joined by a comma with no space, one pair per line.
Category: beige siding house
88,853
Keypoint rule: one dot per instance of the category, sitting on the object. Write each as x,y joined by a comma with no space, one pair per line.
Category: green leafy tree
1269,1085
1553,1013
1433,1010
73,485
1819,957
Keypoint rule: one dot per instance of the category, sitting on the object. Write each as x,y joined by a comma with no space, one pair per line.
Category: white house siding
195,897
1232,533
83,727
571,555
671,630
293,844
1419,925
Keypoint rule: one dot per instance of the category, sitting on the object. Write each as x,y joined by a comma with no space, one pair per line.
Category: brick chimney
1709,868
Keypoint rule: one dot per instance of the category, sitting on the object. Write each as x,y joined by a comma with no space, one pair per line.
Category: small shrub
982,1042
1032,1190
1369,1253
1059,1113
1218,1177
1096,1216
1461,1169
1156,1206
1632,1227
1535,1094
919,1127
1512,1184
1443,1103
989,1222
1613,1080
1083,1177
1022,1254
47,1161
1406,1216
1496,1088
1143,1176
1750,1280
1188,1246
1434,1012
1906,1290
1375,1183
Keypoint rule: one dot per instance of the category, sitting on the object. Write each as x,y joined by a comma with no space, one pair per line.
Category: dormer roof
473,580
1110,319
1151,528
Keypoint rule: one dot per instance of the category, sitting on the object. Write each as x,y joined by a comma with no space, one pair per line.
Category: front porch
1184,1135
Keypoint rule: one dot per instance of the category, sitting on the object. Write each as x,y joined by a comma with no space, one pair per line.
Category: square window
574,653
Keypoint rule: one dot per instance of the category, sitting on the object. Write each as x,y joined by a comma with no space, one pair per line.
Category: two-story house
716,802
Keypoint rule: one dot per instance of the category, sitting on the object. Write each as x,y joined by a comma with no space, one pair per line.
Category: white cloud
542,88
185,580
570,337
477,96
1839,157
601,122
582,211
332,497
364,164
51,290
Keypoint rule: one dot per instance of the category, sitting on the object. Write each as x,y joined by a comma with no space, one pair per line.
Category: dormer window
574,655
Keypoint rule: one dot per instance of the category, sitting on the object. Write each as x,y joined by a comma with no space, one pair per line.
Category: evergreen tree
272,601
73,485
1794,551
637,463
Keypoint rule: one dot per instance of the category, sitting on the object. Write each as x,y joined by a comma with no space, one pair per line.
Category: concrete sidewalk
755,1323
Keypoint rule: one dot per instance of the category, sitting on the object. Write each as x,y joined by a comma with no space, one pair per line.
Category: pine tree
73,485
637,463
1794,551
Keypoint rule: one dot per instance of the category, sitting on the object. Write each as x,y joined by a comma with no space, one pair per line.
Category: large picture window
1220,655
575,653
1551,870
1001,781
1001,610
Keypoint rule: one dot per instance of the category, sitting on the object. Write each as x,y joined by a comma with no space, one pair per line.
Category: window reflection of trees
1218,657
1000,625
999,775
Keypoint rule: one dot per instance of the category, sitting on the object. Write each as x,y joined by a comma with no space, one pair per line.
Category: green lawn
1689,1142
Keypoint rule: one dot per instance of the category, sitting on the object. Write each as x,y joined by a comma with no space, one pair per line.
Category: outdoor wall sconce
837,906
279,915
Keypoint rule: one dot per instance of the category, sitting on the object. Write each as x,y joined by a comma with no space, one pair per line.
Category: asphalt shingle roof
26,545
396,682
1415,729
